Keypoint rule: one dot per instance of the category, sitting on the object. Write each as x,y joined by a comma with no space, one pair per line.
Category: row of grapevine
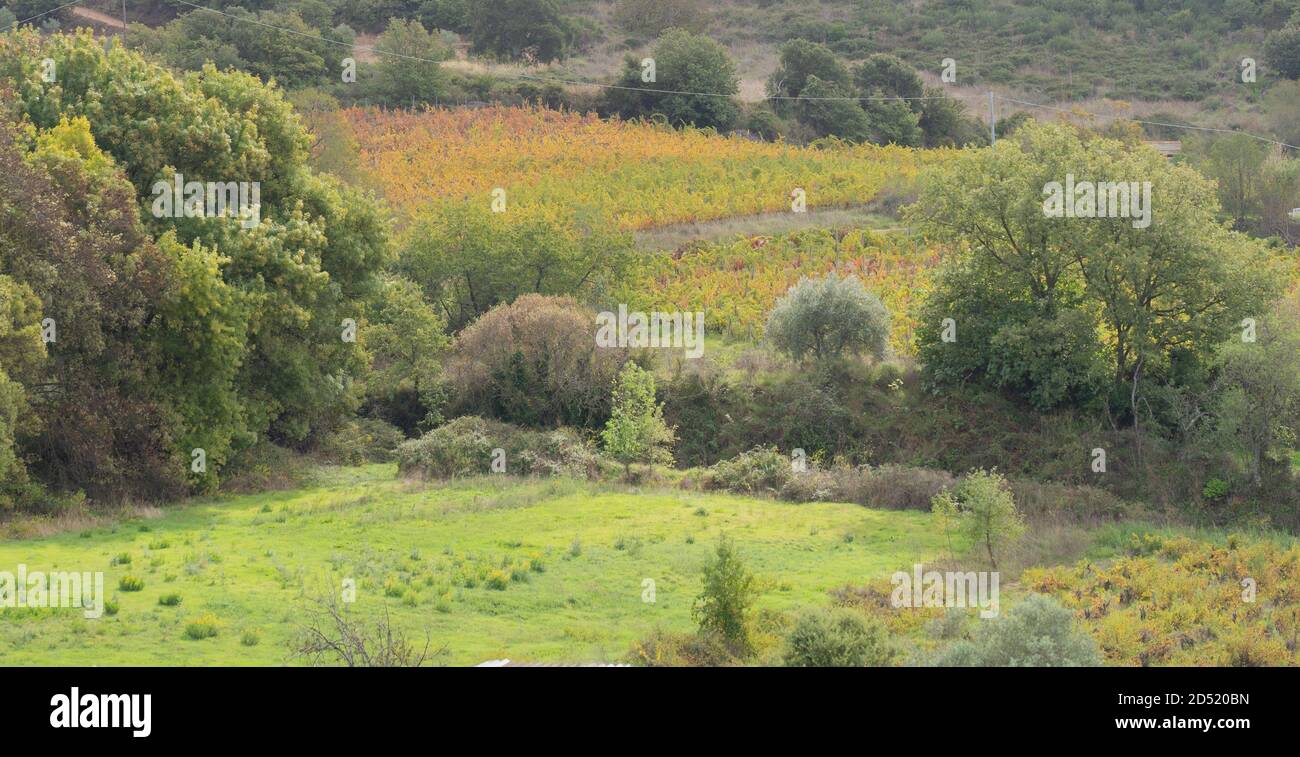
736,283
636,174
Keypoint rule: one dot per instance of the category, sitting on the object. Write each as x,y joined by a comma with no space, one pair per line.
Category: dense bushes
1038,632
881,100
534,362
883,417
765,470
472,446
363,440
760,470
836,638
890,486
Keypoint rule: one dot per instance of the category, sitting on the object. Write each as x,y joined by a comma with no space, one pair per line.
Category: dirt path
765,224
98,17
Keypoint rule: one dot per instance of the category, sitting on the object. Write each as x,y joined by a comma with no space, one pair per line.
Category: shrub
1149,595
983,511
828,317
534,362
836,638
130,583
663,649
1038,632
1079,503
1282,50
464,447
893,487
1215,488
169,600
723,607
652,17
362,440
812,485
250,639
766,470
331,634
204,626
760,470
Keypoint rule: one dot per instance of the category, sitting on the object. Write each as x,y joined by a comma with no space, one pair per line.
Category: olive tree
828,317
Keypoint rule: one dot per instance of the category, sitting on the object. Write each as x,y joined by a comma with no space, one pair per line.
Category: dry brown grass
29,526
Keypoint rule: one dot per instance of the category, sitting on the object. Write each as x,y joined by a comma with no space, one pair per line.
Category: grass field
569,560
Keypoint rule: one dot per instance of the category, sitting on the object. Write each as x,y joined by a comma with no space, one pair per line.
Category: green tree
636,432
945,123
726,601
529,30
1279,194
406,340
100,419
886,75
800,60
21,353
1260,405
1282,51
1235,162
830,110
1282,106
286,284
469,259
982,511
1142,288
828,317
694,84
269,44
407,70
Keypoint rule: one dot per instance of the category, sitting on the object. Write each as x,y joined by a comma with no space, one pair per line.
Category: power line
38,15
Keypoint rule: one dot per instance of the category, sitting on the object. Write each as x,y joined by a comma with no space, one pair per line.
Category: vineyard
637,174
1176,601
736,283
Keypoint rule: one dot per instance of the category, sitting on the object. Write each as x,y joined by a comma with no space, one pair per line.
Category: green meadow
541,570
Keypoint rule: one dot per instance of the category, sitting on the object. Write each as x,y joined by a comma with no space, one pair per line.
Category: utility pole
993,120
